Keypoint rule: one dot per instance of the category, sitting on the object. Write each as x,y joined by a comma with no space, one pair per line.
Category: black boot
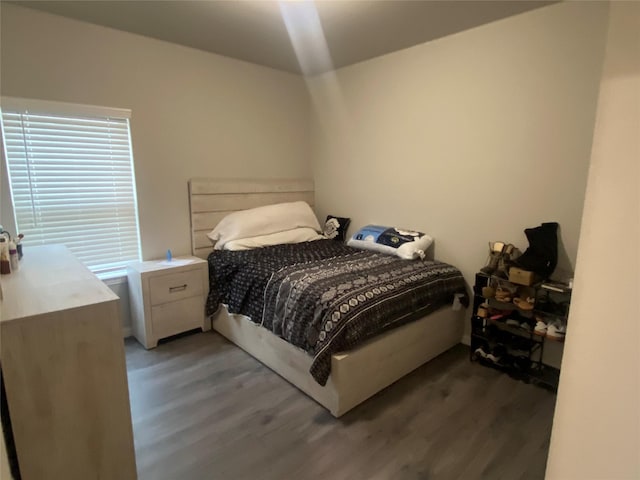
542,255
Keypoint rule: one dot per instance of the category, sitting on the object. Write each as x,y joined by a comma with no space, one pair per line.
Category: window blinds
72,182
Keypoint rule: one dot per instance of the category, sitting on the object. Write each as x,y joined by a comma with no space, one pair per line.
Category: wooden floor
204,409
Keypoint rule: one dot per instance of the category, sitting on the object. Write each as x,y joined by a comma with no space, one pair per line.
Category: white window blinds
72,180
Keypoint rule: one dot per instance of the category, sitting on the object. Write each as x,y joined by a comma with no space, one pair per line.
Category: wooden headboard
211,199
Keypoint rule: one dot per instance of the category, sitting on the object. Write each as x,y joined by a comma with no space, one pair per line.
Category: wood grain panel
241,201
210,200
64,370
174,286
204,409
358,373
201,240
74,422
176,317
288,361
206,220
202,252
216,186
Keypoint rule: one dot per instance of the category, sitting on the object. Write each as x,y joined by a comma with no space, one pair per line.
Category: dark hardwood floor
204,409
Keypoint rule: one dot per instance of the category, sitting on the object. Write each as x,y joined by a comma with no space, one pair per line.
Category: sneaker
540,328
480,352
556,331
496,354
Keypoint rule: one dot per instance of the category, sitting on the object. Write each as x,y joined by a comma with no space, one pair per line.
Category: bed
342,379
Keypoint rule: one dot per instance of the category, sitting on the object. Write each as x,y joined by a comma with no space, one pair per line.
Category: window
72,181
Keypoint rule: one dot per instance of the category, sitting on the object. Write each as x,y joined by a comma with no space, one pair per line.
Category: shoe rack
509,326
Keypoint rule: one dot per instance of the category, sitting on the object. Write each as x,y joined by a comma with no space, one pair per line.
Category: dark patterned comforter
325,297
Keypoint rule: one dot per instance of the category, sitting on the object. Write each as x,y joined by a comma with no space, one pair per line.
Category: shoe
542,255
503,295
497,353
556,331
512,322
499,316
479,352
488,292
482,350
495,252
505,261
540,328
524,303
525,326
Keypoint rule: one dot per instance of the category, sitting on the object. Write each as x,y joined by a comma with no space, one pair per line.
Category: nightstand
167,298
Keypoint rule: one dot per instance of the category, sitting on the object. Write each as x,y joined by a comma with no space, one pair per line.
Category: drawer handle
178,288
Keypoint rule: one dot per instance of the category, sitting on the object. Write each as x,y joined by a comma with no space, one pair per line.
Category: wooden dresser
63,365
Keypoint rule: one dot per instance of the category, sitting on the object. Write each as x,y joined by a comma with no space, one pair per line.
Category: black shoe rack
503,336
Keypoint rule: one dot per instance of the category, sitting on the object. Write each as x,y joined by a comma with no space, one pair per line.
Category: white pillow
405,244
263,221
297,235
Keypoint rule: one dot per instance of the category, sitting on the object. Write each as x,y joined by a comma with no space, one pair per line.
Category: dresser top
50,279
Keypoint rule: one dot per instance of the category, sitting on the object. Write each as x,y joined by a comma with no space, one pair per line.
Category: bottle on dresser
5,263
13,256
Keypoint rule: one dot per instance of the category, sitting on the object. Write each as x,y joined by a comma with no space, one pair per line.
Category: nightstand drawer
177,317
175,286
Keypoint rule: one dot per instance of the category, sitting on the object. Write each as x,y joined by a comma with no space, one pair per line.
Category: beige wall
470,138
194,113
5,471
596,428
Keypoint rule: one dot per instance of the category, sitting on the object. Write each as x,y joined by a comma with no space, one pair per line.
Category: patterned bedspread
325,297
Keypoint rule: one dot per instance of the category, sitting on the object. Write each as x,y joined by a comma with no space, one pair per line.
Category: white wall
596,428
470,138
194,113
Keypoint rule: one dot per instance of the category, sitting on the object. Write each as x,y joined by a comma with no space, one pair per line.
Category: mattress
325,297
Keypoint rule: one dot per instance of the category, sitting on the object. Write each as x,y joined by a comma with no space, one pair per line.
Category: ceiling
297,36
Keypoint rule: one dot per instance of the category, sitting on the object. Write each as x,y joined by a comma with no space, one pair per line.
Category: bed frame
355,375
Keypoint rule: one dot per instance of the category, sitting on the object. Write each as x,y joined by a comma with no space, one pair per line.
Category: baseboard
126,332
466,339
